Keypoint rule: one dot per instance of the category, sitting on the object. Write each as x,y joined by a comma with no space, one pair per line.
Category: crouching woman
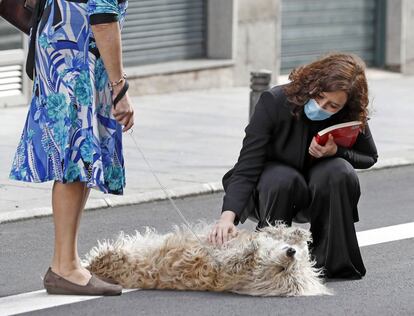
282,174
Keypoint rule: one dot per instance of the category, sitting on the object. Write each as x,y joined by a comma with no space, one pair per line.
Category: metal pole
259,82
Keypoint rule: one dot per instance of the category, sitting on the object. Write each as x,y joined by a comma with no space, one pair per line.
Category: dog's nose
290,252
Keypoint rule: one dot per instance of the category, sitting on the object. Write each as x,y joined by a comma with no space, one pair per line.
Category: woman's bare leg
68,201
86,192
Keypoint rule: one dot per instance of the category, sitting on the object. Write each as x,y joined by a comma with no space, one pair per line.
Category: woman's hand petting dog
319,151
224,229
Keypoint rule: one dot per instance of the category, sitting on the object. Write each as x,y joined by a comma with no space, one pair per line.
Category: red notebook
344,134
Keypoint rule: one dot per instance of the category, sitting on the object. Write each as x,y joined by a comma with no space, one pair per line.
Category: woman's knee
281,191
278,178
332,172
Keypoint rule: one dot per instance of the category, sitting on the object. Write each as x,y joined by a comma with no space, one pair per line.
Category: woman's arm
108,41
361,156
247,170
252,156
103,17
364,152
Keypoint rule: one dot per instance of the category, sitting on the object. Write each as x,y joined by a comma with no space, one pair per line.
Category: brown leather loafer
107,280
55,284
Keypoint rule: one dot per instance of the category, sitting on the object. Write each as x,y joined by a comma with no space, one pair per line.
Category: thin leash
164,189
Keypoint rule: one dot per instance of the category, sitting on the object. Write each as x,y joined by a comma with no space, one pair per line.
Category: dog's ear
276,231
297,235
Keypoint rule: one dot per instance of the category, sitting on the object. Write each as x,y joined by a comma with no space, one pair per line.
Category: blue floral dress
70,134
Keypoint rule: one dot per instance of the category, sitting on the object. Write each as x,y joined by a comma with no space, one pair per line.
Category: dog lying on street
274,261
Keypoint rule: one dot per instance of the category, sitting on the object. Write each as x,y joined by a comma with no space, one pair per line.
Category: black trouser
326,196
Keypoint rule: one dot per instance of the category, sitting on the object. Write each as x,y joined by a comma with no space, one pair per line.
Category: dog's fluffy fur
252,263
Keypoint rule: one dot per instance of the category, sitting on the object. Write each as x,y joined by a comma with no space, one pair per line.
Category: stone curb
389,163
116,201
159,195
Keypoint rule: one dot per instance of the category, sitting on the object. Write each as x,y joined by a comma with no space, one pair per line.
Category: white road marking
385,234
37,300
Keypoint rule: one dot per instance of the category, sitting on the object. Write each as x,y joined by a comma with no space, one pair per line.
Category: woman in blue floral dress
73,131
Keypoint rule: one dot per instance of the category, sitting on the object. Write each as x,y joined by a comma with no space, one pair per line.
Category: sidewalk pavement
192,138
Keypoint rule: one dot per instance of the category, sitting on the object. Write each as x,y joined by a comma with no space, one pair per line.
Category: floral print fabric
102,6
70,134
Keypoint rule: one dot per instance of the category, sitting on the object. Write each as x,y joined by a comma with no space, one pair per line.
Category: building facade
172,45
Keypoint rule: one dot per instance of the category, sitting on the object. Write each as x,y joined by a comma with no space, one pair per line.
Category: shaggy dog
274,261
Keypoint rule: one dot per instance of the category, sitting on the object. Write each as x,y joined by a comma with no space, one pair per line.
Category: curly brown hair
333,72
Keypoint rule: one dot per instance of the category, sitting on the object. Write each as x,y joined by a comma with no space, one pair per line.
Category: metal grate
11,82
164,30
313,28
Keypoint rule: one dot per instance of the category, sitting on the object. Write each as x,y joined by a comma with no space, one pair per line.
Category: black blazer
274,134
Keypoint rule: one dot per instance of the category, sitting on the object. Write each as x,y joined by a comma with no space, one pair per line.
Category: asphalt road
388,288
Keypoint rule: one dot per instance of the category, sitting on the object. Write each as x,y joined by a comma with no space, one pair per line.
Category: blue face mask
314,112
